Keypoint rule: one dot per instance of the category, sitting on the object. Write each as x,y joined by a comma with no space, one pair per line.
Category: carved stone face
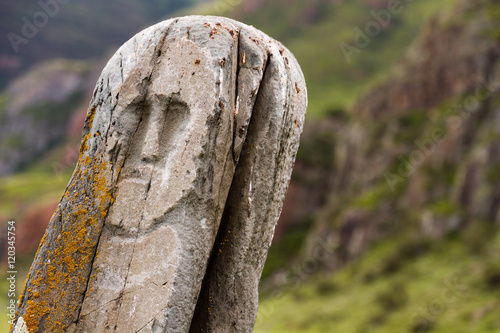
151,180
171,190
140,245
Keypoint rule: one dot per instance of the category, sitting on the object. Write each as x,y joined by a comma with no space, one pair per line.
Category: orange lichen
39,310
63,277
84,145
89,120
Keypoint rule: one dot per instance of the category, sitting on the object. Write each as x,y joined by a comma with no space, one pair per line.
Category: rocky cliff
418,154
36,109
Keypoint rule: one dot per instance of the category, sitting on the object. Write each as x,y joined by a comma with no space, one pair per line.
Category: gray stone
186,156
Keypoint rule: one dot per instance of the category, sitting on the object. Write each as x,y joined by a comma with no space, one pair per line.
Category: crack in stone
121,68
236,98
199,321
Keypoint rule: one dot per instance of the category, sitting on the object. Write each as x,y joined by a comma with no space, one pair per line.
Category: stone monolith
187,152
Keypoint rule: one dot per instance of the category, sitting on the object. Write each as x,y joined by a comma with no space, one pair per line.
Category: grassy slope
29,189
450,286
33,188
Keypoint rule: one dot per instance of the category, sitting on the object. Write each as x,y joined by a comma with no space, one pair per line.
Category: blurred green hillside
400,285
387,226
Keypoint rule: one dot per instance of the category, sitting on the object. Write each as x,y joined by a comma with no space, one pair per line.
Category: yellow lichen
63,277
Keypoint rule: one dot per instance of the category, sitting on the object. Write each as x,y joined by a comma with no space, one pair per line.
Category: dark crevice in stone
200,320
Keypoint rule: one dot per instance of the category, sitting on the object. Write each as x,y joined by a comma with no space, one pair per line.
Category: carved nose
151,145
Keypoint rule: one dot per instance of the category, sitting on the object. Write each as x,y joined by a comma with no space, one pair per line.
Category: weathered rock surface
186,155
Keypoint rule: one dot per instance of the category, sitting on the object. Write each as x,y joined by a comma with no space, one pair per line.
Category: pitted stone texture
187,153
